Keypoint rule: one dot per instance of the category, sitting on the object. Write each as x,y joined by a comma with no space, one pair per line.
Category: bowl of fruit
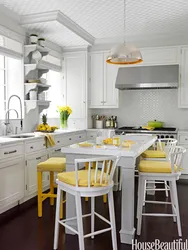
44,127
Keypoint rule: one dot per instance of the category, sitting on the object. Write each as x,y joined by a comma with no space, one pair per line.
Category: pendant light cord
124,27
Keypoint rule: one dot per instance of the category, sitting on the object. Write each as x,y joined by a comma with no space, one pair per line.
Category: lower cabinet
11,183
185,161
31,172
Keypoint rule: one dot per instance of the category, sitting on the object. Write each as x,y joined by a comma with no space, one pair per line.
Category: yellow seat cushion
156,167
70,178
55,164
154,154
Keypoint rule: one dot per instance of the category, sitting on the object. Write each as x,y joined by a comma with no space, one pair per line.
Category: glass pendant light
124,53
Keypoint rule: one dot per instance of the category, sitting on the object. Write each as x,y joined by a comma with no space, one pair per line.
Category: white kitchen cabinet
103,93
111,99
75,78
183,141
31,173
11,183
183,86
185,161
160,56
96,80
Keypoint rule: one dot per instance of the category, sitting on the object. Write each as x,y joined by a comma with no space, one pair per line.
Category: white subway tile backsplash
139,106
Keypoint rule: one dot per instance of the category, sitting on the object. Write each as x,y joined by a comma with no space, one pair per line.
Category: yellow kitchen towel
49,140
148,128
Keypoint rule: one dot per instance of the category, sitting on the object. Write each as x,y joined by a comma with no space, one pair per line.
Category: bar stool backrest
103,171
176,158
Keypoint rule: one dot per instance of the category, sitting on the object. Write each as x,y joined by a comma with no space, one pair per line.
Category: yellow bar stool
52,165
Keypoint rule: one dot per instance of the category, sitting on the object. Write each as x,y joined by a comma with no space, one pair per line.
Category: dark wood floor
20,229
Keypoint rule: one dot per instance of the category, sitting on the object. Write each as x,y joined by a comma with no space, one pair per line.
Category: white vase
33,39
41,43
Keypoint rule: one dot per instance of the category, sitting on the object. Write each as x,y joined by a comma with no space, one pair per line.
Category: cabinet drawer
35,146
183,139
58,140
91,135
11,151
80,137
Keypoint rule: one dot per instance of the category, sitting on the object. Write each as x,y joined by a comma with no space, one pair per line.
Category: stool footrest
98,232
158,202
158,214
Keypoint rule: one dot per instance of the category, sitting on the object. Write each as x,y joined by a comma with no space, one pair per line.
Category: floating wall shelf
33,104
32,47
36,86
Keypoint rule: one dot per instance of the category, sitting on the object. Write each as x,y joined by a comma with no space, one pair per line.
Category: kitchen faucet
21,118
7,121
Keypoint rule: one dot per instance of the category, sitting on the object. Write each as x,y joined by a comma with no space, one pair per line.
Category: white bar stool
160,171
88,183
163,149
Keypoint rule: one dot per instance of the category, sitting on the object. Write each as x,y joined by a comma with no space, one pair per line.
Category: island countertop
142,142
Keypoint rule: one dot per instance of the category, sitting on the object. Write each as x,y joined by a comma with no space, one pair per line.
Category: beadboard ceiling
103,19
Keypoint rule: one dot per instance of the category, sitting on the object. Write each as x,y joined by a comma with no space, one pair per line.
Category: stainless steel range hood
148,77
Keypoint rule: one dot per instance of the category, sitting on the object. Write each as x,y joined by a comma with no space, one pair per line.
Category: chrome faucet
7,120
21,118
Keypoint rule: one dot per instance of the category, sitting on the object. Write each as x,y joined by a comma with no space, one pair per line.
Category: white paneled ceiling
104,18
57,33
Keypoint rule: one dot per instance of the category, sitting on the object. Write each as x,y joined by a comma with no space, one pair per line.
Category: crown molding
74,27
75,48
62,19
38,17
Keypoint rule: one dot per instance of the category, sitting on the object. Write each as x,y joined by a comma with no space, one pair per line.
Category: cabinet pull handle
102,102
58,141
10,152
80,136
38,158
44,145
70,139
92,136
31,147
57,150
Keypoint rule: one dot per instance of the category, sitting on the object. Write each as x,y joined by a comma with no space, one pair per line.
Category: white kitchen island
127,162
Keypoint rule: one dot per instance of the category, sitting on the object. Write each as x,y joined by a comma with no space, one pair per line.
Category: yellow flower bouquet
64,112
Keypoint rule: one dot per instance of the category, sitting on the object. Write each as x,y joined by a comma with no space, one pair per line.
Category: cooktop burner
170,129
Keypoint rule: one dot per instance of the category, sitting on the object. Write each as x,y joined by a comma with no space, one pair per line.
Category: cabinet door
185,161
96,80
183,88
11,183
110,92
31,167
75,79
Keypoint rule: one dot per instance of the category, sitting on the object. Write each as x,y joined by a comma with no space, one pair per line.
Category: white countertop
143,142
36,135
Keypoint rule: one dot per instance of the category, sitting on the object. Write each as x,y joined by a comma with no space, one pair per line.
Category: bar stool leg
112,219
92,216
56,231
39,179
61,206
51,187
172,200
140,204
175,195
105,198
79,221
166,188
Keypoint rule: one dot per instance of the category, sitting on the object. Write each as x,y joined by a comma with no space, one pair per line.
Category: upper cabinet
103,93
160,56
75,75
183,86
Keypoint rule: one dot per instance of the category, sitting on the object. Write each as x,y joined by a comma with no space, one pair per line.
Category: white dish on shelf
43,80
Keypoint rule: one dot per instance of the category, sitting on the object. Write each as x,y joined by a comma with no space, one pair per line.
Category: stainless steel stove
166,132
